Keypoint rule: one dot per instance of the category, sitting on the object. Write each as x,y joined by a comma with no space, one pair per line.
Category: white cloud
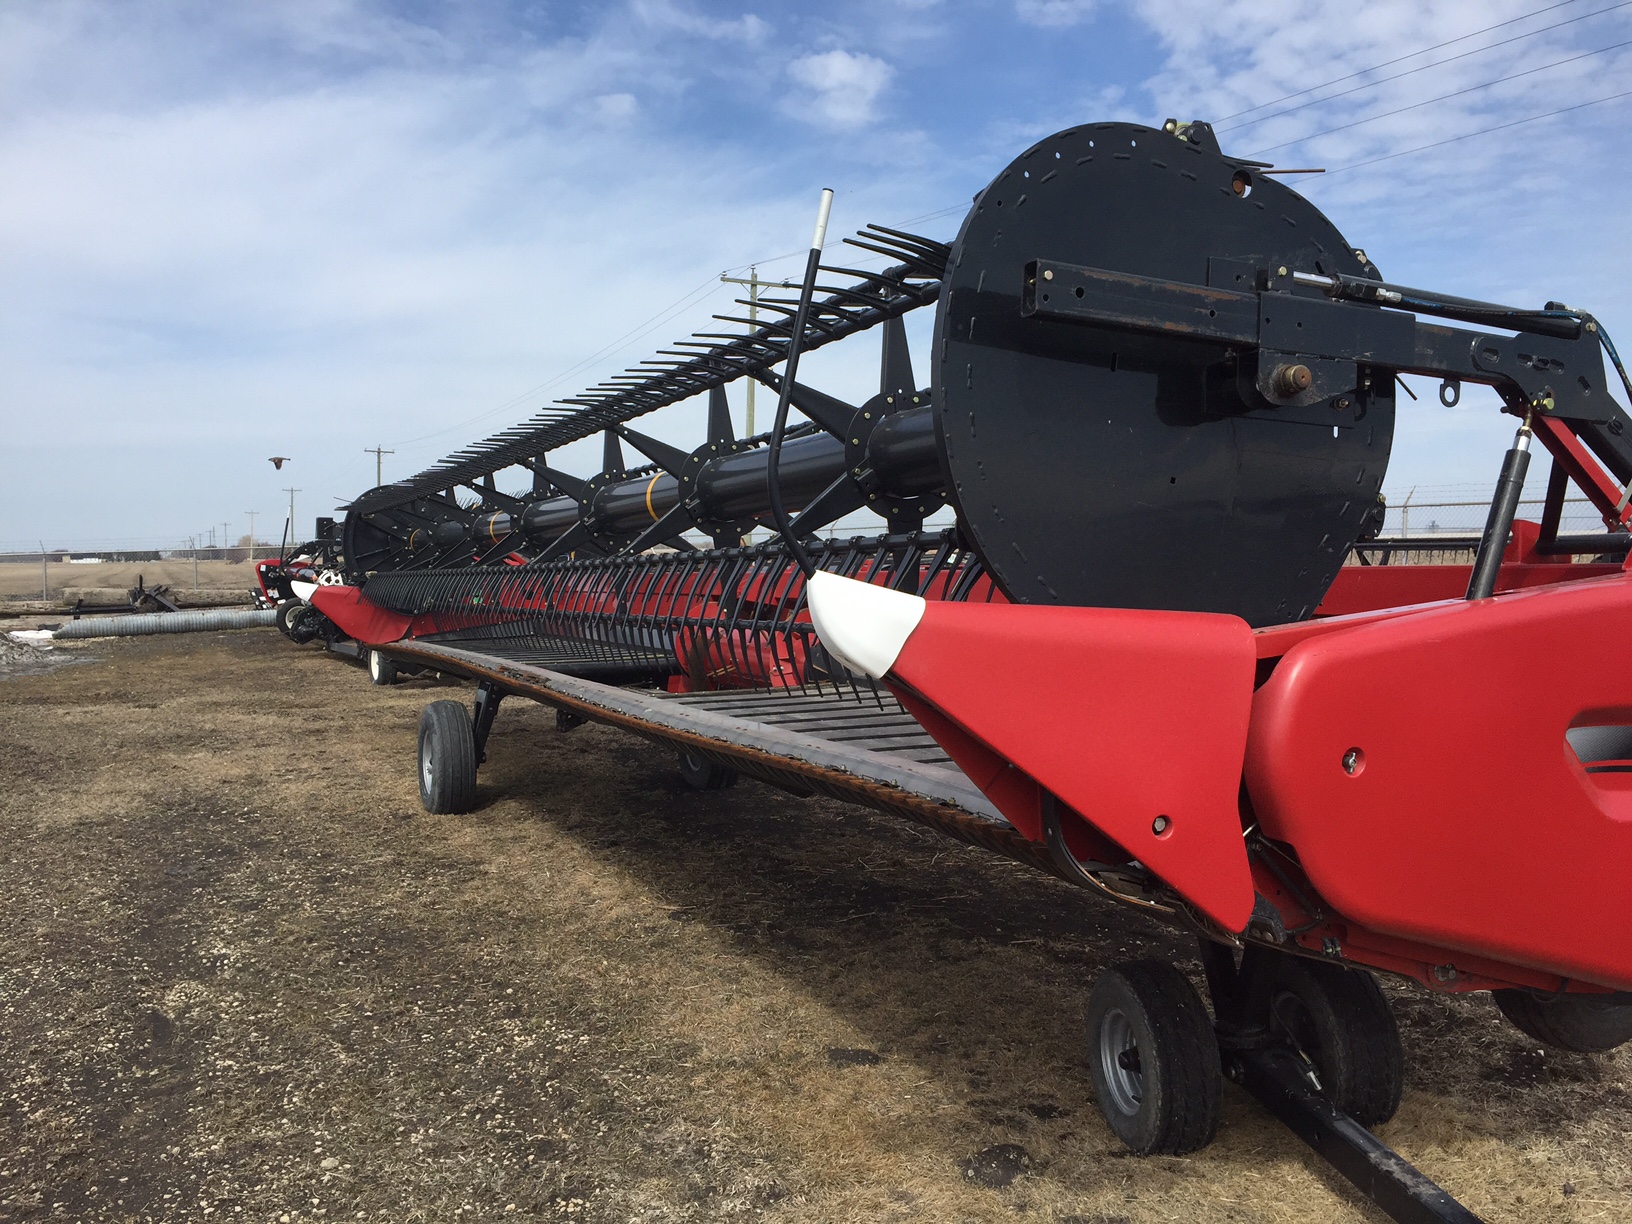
846,85
616,107
1054,14
273,252
748,28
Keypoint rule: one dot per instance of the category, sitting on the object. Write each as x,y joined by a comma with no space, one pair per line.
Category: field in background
22,578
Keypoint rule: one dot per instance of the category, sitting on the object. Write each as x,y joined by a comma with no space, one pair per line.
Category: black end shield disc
1101,467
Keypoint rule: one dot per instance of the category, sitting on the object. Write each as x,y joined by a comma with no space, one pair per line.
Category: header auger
1161,404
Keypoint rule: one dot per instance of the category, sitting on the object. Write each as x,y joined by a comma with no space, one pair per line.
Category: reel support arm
1305,348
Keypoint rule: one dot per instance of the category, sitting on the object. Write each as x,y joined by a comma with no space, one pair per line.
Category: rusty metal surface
935,795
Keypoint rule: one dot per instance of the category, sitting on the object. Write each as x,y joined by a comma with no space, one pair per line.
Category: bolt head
1048,273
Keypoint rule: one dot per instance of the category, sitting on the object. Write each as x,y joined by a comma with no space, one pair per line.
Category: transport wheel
286,611
305,623
1580,1023
1339,1020
381,670
1154,1058
704,774
447,759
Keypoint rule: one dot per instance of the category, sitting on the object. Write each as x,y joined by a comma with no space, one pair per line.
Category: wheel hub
1119,1060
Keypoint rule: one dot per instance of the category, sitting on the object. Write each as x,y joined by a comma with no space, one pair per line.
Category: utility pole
754,286
226,529
379,479
252,514
45,575
291,493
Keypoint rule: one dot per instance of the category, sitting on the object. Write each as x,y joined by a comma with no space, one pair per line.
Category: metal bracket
488,696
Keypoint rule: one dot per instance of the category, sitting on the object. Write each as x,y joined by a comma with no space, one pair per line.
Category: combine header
1161,405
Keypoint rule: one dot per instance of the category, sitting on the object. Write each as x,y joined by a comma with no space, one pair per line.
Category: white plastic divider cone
863,626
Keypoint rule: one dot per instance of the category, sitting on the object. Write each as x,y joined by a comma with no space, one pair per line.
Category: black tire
1581,1024
1341,1022
305,623
286,610
704,774
381,670
1154,1058
447,759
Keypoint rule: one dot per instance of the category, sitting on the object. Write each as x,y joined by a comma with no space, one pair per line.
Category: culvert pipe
168,622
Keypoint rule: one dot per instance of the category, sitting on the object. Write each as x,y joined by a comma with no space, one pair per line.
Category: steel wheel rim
1125,1086
425,768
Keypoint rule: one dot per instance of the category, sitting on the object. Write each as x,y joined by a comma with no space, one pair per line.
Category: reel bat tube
736,487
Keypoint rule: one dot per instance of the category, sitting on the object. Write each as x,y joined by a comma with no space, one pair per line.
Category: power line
1443,97
1400,59
1563,110
1451,59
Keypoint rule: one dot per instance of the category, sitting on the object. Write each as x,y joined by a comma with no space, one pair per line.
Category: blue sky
233,231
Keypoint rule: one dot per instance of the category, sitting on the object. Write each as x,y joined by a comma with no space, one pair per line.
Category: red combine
1160,654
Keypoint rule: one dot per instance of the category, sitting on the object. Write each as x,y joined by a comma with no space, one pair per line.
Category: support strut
1277,1078
1503,506
488,696
1280,1079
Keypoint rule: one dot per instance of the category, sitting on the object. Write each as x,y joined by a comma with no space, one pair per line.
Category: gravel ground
244,977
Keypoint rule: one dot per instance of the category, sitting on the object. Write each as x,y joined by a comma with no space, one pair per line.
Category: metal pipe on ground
168,622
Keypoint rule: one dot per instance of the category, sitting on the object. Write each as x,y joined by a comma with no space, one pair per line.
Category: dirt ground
244,977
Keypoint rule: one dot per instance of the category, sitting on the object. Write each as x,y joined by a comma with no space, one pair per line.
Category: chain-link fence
1411,518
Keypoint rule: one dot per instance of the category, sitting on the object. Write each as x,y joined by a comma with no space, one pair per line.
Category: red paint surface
1365,588
370,624
1123,715
1471,826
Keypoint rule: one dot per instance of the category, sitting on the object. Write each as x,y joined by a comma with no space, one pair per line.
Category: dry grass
22,578
243,976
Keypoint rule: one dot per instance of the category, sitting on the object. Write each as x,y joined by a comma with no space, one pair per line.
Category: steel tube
1488,563
901,451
